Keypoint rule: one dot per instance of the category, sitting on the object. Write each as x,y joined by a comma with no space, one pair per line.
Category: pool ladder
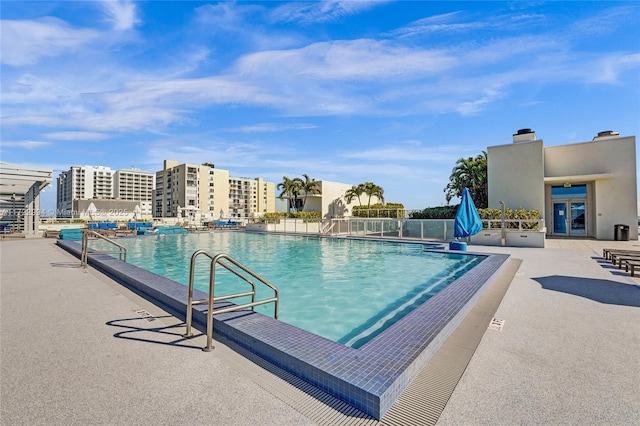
84,254
240,271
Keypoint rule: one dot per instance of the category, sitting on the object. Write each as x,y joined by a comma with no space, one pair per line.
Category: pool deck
76,347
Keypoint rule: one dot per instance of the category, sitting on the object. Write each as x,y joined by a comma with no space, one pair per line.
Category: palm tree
290,189
371,190
470,173
309,187
354,192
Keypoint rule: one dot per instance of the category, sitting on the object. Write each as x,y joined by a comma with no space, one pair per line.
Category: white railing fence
414,229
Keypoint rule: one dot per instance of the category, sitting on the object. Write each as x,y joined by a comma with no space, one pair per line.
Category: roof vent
524,135
606,134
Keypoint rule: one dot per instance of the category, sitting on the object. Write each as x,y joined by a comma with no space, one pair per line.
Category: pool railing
238,269
403,228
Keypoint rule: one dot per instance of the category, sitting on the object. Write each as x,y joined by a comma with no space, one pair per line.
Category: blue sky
388,92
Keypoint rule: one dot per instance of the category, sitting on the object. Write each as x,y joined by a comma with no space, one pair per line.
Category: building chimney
524,135
606,134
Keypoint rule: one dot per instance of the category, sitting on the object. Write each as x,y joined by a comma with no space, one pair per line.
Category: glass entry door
569,218
560,218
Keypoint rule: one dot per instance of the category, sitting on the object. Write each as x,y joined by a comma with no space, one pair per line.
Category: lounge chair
5,228
618,258
631,265
607,253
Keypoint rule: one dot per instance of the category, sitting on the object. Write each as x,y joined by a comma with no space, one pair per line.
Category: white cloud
320,11
273,127
25,42
76,136
30,88
34,120
348,77
436,23
347,60
122,14
410,151
609,68
225,16
30,145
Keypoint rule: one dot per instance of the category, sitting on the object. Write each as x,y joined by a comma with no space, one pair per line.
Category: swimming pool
348,291
369,378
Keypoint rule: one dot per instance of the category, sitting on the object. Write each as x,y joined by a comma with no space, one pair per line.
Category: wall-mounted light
567,185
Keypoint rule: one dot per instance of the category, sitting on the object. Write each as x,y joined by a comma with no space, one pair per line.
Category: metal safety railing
240,271
84,255
327,227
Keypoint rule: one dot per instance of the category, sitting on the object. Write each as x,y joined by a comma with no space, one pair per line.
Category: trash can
621,232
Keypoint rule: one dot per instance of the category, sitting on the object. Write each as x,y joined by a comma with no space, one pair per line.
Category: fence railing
415,229
383,213
519,224
421,229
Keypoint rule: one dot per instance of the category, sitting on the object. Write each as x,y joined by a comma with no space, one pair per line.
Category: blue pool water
345,290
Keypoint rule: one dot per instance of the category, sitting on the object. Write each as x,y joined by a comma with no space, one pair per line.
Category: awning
578,178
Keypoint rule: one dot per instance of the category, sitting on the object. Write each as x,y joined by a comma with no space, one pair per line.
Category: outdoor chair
608,252
631,265
618,258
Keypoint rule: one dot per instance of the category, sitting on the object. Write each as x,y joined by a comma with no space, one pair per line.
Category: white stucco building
331,202
581,189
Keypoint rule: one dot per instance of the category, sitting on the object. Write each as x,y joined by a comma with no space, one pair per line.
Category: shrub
442,212
295,215
510,215
388,210
449,212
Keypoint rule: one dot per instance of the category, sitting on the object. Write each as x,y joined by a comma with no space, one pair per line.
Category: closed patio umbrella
91,211
137,212
467,221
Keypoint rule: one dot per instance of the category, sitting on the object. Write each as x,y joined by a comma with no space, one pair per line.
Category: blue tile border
370,378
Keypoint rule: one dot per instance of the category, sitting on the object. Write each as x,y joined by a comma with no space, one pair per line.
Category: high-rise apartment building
201,188
82,183
205,190
102,183
248,197
135,185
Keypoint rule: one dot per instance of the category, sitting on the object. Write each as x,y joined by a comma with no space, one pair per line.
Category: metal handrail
326,229
223,260
122,251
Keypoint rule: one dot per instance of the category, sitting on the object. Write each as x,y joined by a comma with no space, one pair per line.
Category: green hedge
449,212
512,214
295,215
388,210
442,212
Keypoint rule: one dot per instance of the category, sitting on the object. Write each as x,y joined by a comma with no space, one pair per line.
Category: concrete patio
77,347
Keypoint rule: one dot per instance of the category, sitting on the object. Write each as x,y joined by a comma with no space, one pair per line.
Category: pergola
20,188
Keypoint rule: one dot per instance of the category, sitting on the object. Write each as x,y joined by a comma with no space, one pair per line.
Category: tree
470,173
309,187
354,192
371,190
290,189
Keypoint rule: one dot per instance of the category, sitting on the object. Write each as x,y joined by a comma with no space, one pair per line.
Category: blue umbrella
467,222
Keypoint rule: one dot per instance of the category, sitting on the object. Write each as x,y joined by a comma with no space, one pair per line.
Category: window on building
569,191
